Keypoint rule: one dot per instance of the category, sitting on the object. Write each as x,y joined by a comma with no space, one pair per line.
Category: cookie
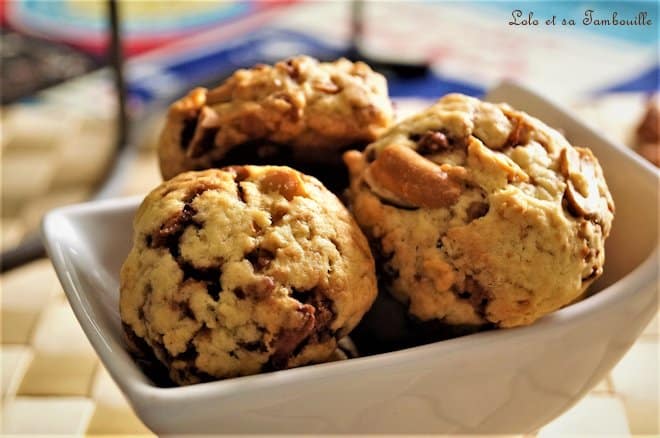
480,215
648,132
297,112
241,270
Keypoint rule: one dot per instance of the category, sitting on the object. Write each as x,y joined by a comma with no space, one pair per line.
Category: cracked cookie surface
242,270
299,110
480,214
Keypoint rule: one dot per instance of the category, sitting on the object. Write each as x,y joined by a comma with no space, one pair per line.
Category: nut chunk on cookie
299,110
479,214
241,270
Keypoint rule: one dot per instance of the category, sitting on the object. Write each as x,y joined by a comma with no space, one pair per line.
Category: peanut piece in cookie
582,193
413,180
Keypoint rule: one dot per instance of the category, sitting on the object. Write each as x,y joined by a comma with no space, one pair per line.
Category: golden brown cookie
297,111
242,270
480,214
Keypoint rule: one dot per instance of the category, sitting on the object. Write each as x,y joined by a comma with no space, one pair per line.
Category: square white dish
505,381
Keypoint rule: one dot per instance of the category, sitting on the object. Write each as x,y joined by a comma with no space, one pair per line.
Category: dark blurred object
648,132
30,64
387,67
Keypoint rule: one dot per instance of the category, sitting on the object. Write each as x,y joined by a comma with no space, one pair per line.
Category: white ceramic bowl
502,381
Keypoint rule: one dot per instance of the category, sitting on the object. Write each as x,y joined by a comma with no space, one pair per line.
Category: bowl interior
88,244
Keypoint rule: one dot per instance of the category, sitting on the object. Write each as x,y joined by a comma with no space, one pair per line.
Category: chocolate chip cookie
244,269
479,214
297,112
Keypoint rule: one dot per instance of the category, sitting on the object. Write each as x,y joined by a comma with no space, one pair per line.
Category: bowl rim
139,387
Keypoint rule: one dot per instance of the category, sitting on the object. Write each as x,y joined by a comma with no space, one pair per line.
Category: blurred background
63,141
